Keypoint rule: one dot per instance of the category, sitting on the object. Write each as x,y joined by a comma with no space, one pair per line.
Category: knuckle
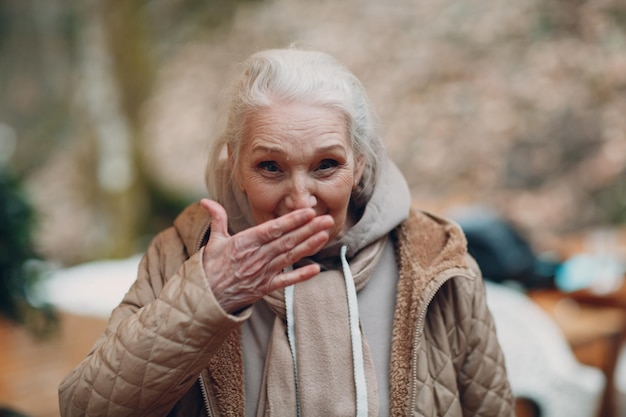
274,230
291,256
239,245
243,248
289,242
247,271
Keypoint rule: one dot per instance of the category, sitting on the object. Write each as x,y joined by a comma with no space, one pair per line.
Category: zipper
443,278
203,236
209,403
207,398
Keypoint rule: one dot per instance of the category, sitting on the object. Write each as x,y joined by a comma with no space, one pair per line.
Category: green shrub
21,269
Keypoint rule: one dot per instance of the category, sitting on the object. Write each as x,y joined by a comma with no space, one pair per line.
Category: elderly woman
307,285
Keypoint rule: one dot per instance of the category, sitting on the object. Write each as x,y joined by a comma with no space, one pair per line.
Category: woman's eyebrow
277,150
267,149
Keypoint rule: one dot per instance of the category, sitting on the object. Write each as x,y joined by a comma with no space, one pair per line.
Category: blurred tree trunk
115,81
75,75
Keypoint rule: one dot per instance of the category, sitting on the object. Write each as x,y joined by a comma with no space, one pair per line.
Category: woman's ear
358,171
231,167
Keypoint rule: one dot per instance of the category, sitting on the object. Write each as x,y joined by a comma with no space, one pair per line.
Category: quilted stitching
145,362
461,366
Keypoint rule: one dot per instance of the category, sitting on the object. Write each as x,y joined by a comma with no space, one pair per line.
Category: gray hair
310,77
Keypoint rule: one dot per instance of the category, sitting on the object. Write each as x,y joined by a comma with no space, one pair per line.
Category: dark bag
502,253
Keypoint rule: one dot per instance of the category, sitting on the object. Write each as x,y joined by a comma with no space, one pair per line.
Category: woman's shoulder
172,246
188,232
192,226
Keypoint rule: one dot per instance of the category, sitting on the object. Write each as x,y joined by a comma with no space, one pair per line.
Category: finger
260,239
269,259
293,277
219,218
307,247
255,248
306,238
274,229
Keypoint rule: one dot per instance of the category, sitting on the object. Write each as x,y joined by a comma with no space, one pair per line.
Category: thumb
219,219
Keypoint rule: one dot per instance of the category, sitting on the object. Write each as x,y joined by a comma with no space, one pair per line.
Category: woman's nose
300,194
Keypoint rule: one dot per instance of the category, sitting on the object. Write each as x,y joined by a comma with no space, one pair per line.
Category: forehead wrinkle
272,129
275,149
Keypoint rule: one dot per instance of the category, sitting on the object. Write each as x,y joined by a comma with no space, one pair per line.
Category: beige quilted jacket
170,350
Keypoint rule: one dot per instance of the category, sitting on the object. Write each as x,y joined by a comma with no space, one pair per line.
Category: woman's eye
269,166
327,164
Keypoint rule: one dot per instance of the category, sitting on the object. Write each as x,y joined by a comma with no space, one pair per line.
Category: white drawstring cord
291,337
355,335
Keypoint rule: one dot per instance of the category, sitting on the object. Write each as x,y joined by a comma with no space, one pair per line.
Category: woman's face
297,156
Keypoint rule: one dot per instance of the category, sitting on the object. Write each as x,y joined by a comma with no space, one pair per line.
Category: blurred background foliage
108,107
21,269
75,76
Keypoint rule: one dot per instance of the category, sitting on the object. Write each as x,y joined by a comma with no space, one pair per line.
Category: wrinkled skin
297,169
245,267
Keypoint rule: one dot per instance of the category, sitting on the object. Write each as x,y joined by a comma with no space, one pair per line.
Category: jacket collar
192,225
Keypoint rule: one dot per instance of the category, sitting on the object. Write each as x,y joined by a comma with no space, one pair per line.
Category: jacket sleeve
483,383
157,341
